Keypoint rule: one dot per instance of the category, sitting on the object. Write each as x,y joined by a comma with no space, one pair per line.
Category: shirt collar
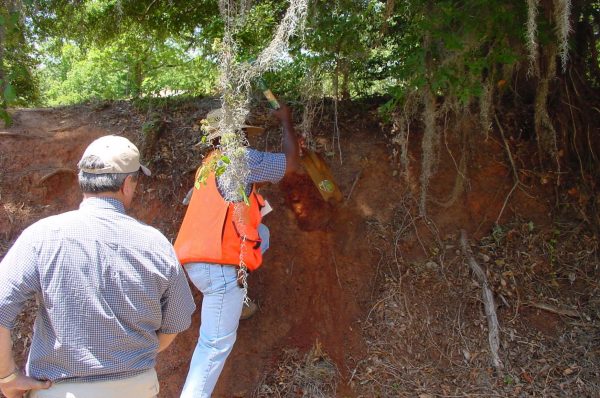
98,202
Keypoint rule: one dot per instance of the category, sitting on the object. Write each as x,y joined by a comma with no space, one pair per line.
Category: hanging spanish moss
235,82
562,17
312,99
531,42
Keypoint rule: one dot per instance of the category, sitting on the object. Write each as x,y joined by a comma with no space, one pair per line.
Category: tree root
55,172
488,301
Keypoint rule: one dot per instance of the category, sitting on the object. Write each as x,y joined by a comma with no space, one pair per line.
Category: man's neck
106,195
112,195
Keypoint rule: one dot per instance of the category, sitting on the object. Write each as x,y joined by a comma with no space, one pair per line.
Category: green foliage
131,67
127,49
258,28
152,126
509,379
498,234
217,164
99,22
453,47
17,83
113,49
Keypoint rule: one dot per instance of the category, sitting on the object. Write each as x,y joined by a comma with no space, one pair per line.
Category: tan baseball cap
118,154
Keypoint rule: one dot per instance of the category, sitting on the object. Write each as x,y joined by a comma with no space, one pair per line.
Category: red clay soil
318,278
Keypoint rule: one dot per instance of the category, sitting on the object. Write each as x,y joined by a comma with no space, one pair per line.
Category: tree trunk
137,79
3,105
345,70
3,7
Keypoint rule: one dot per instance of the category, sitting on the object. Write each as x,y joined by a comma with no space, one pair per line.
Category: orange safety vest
217,231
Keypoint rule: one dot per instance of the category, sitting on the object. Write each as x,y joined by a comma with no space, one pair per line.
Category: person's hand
19,386
284,113
302,142
290,144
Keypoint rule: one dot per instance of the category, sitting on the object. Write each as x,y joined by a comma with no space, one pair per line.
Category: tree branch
488,302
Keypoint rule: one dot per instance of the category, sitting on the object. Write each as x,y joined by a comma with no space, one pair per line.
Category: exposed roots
486,109
428,146
426,333
401,133
544,129
461,180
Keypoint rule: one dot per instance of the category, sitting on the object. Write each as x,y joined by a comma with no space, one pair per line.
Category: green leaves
218,165
111,49
10,95
5,117
131,67
242,194
221,165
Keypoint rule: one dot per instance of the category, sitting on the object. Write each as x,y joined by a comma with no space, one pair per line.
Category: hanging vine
531,42
562,18
235,84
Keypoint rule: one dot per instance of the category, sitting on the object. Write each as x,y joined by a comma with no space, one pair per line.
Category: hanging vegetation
430,59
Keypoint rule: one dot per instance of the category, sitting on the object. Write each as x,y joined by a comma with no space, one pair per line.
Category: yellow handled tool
313,163
321,176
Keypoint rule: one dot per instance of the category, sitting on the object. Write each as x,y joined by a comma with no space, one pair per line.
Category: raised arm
291,148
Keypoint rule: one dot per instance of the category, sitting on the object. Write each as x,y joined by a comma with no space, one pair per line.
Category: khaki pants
144,385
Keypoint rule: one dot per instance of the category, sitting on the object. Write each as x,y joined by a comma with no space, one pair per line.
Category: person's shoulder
47,229
51,223
256,152
256,156
150,233
155,241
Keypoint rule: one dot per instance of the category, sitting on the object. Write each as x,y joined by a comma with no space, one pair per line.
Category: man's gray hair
98,183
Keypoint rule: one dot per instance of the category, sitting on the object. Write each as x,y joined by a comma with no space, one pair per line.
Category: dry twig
55,172
514,169
19,135
488,301
556,310
352,187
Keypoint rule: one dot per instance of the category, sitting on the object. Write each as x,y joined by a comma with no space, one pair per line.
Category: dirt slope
314,284
324,275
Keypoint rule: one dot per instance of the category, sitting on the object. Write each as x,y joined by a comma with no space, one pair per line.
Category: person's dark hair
98,183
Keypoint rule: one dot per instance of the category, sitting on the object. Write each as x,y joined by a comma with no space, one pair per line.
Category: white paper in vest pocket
266,209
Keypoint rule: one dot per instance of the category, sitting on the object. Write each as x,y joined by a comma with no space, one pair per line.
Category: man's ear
128,184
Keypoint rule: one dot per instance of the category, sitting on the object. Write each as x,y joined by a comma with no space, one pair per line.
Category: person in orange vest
218,234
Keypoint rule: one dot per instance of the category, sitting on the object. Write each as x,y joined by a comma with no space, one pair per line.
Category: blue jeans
220,316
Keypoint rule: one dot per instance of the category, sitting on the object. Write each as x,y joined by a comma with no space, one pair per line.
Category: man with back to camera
110,289
209,245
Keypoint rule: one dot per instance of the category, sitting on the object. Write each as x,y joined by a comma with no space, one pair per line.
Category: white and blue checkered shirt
106,284
265,166
262,167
